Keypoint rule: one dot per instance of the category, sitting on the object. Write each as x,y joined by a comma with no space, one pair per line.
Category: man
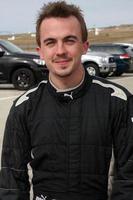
66,128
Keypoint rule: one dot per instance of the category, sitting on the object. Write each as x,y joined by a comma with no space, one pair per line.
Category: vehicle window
109,49
115,50
94,48
125,46
1,48
11,47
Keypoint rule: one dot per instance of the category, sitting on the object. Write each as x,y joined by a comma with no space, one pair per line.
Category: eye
50,43
70,41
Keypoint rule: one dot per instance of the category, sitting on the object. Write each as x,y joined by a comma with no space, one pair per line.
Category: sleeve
122,188
14,179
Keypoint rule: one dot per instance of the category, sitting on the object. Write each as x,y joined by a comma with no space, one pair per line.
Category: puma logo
68,95
41,198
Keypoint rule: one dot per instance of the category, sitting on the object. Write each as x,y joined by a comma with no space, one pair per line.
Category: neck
68,82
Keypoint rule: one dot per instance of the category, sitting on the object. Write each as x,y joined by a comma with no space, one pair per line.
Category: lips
61,60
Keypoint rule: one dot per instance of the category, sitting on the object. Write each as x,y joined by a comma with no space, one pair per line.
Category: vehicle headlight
104,59
39,61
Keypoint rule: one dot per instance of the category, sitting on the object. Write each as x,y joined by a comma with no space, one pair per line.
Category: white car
98,63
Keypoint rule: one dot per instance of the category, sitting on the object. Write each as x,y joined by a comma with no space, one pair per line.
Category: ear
38,49
85,47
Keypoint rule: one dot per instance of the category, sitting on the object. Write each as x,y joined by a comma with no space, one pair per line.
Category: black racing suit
67,137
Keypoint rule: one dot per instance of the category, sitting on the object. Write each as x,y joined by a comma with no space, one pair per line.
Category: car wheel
92,69
23,79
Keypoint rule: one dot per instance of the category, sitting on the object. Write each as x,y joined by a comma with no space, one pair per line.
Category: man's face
61,45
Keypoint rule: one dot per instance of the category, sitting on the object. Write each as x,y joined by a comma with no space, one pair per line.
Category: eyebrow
65,38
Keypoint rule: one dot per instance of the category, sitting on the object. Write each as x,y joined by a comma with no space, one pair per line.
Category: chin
64,73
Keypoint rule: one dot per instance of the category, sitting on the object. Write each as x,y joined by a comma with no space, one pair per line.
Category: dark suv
122,58
129,49
22,69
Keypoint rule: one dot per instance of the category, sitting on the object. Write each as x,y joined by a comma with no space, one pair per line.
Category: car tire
23,79
92,69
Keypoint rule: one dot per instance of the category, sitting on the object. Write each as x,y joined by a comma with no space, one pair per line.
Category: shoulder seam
25,96
117,92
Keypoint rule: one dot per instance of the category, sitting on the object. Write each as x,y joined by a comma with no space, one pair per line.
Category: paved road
125,80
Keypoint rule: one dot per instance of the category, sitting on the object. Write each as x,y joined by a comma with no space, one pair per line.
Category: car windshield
10,47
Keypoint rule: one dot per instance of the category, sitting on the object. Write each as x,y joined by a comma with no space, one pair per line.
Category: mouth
62,61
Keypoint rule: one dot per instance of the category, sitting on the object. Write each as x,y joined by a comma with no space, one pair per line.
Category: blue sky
19,16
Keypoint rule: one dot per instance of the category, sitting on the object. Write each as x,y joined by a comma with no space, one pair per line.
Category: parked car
122,58
129,49
22,69
127,46
98,63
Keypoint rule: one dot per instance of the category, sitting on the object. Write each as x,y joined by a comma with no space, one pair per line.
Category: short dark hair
64,10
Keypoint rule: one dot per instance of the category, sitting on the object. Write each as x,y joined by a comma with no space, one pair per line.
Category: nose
61,49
